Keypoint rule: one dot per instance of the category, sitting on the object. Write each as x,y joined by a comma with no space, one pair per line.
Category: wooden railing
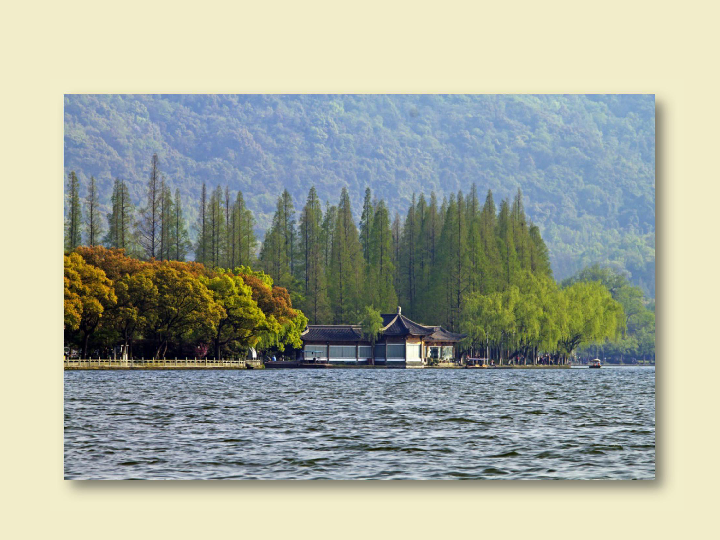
162,363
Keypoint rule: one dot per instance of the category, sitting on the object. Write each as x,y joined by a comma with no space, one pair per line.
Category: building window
441,353
342,351
364,351
315,351
379,351
396,350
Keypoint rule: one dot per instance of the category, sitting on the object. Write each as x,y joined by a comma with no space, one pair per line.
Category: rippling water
361,424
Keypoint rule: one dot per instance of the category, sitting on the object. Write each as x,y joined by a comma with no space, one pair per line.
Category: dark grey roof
394,324
332,332
440,334
397,324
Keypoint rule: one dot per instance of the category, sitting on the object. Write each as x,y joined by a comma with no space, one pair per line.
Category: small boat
476,363
595,364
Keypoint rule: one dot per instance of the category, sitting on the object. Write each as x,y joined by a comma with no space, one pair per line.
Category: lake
361,424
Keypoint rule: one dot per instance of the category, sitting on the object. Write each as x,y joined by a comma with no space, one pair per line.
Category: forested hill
585,164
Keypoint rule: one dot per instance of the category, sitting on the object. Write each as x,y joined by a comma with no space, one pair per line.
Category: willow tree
588,315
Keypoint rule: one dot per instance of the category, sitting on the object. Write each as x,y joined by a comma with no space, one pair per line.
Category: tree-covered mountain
585,164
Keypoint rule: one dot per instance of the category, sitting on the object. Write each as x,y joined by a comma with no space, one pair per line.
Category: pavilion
401,343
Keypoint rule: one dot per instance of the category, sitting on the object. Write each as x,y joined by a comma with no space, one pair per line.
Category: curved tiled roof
394,324
440,334
397,324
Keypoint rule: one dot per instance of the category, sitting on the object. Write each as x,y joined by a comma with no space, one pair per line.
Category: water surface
361,424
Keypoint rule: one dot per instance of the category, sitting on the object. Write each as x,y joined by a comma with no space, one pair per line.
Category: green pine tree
366,223
345,283
93,221
74,213
380,281
310,246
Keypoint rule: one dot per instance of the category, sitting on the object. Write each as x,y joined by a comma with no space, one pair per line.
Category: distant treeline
458,263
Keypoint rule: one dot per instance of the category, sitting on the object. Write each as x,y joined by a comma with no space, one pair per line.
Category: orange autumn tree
171,306
95,293
112,261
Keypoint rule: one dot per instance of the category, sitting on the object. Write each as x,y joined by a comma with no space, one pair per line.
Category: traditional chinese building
401,343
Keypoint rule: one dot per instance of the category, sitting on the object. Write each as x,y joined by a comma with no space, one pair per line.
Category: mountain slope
586,164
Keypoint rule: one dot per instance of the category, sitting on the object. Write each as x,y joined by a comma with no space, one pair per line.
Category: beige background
49,49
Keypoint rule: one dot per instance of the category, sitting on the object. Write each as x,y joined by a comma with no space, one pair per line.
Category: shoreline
193,365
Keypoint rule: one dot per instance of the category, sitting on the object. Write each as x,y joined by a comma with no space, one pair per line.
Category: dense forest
585,164
463,263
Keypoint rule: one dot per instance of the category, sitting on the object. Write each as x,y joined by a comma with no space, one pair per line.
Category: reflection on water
364,424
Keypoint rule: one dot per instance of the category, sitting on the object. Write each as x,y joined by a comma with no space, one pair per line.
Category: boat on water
476,363
595,364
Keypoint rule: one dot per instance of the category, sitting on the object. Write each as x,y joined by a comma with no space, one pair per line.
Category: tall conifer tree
328,230
167,221
74,217
93,221
315,302
506,244
149,225
366,223
345,283
202,249
277,254
408,270
492,265
180,239
121,219
380,282
243,224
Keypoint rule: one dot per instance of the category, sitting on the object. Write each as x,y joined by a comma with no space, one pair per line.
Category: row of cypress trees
428,263
157,230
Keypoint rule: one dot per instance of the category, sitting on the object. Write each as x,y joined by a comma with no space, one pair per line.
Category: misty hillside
586,164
